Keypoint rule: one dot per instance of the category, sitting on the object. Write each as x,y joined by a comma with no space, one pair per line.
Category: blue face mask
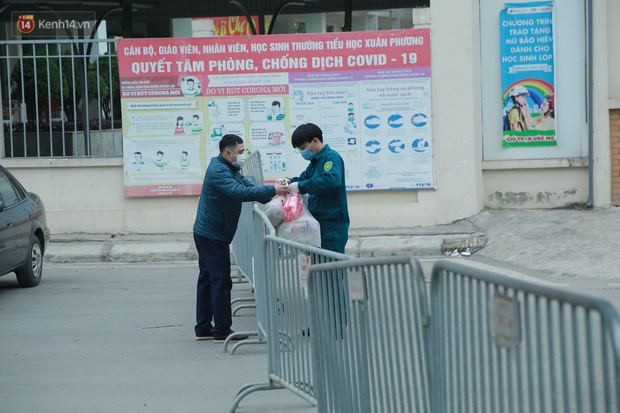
307,154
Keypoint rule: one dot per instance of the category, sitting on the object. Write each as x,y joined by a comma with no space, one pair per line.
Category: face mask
307,154
240,160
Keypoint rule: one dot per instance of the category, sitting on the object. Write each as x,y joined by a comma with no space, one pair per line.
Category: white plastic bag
274,209
305,229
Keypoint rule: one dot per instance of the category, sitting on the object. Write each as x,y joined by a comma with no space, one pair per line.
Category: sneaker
455,253
206,336
466,253
235,337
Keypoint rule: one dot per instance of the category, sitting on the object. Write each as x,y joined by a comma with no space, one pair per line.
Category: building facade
472,170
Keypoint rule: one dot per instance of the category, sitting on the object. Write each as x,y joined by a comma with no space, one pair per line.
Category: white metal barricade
505,345
369,336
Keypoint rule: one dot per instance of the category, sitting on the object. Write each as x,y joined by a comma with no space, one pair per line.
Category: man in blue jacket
324,181
219,208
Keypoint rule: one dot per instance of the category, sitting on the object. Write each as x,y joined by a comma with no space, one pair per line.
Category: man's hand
293,188
281,190
283,181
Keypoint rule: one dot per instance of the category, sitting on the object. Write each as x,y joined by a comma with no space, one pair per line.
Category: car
24,234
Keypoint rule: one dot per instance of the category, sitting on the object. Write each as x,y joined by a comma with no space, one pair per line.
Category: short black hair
196,116
158,152
275,102
229,141
185,152
137,153
305,133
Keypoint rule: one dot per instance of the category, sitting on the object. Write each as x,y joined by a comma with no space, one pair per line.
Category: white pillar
203,28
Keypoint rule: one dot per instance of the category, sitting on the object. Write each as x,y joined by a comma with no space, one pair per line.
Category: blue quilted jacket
223,191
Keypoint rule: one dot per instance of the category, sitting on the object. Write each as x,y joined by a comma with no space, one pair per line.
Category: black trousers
213,309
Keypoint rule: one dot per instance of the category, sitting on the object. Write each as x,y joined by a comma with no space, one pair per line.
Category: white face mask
240,160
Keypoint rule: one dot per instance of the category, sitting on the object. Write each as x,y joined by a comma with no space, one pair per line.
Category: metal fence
370,326
495,343
504,345
249,254
60,98
253,171
287,316
253,168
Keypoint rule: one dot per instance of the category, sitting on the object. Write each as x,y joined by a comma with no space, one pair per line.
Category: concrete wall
600,106
613,47
86,195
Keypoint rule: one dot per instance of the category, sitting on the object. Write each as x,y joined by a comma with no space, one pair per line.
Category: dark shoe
205,336
235,337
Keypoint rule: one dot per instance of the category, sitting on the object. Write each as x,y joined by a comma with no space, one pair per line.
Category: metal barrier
504,345
249,246
53,108
370,326
249,255
253,171
288,342
253,168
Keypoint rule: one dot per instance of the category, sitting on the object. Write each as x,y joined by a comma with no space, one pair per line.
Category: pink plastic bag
305,229
293,207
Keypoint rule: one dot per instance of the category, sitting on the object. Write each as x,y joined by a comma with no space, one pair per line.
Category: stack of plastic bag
296,222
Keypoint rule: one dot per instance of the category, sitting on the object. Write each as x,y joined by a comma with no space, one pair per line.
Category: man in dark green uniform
324,181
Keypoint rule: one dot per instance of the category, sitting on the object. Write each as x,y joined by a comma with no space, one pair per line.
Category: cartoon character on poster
529,105
196,125
138,158
190,86
159,160
179,129
275,112
184,162
214,111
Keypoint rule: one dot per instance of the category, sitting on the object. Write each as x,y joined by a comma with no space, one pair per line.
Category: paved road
119,338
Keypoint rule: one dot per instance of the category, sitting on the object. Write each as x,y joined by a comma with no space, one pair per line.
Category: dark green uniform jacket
324,181
223,191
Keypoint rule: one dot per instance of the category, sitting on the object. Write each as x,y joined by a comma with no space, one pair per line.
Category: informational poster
368,91
528,74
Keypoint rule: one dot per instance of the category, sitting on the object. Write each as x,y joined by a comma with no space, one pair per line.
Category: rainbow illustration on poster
537,89
542,130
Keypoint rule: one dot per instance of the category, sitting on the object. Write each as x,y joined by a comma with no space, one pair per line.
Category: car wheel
29,275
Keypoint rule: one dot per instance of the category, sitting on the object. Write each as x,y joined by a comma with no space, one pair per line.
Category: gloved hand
283,181
293,188
281,190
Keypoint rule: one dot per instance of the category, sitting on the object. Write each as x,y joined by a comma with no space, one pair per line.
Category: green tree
48,82
65,72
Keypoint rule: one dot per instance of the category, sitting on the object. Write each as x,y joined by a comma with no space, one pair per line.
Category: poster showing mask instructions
369,92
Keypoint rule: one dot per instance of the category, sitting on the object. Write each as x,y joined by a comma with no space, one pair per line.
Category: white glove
283,181
293,188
